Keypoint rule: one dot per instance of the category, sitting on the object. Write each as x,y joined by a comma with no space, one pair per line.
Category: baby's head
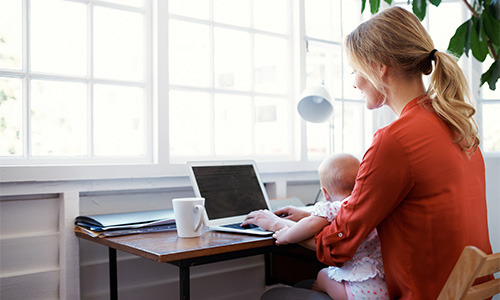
337,175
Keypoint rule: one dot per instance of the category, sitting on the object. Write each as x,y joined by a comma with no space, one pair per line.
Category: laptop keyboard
238,226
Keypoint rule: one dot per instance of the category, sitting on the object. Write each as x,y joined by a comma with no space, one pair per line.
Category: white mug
189,215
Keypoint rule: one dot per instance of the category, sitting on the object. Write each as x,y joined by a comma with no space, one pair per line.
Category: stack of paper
126,223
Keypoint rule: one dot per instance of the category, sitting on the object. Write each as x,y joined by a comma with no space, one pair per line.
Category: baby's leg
370,289
334,289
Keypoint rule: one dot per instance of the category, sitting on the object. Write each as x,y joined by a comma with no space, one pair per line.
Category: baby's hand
280,236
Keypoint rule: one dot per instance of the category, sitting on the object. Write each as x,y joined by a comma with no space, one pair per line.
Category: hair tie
431,55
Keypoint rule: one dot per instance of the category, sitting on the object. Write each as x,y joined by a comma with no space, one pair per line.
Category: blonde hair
338,172
396,38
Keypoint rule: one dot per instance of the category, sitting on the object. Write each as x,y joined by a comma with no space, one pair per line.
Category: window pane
11,35
118,44
11,117
270,64
191,8
119,124
271,124
190,129
323,19
351,15
323,65
58,118
270,15
135,3
353,128
318,140
443,22
232,12
338,126
349,91
233,125
58,48
232,59
491,127
189,54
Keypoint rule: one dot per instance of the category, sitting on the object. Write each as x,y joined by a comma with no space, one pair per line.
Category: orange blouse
424,195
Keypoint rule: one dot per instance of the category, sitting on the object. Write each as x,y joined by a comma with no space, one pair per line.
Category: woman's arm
292,213
305,229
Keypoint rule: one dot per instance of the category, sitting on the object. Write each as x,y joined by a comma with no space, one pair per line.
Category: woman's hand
292,213
265,220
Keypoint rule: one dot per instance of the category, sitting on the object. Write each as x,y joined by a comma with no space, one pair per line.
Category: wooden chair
472,264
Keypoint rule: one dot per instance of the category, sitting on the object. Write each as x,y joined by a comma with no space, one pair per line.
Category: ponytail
450,96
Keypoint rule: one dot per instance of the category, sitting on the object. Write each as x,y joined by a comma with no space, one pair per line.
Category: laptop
231,189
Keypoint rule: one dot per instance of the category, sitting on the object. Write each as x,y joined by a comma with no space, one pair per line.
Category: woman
421,183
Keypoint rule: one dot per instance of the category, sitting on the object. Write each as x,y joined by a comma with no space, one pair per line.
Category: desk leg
184,282
113,275
268,268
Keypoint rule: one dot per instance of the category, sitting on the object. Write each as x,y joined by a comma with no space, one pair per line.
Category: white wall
493,198
40,258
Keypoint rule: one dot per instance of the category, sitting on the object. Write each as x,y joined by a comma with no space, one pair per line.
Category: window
145,85
231,61
229,80
350,129
488,105
74,88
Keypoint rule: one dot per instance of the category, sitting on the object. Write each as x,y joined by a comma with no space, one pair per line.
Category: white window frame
161,166
26,75
212,91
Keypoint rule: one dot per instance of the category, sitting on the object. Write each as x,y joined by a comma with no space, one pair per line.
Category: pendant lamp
315,104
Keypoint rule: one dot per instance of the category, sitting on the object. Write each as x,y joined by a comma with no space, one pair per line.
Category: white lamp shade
315,104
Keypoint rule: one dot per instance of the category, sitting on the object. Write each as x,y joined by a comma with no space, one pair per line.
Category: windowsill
110,172
147,171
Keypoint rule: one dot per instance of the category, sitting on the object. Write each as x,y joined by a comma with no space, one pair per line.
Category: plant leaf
491,76
374,6
491,26
363,5
388,2
478,41
435,2
460,42
419,8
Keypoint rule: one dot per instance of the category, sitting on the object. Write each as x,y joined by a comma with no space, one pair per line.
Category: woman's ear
382,70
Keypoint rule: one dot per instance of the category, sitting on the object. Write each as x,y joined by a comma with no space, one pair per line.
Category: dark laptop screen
229,190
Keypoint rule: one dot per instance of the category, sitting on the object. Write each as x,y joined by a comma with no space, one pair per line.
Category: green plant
480,34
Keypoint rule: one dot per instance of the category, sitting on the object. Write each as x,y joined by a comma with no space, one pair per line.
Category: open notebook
231,190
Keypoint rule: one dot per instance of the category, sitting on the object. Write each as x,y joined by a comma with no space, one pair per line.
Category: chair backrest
472,264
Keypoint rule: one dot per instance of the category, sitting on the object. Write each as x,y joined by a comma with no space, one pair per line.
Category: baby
363,276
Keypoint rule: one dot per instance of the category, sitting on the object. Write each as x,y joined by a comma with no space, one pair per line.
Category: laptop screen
229,190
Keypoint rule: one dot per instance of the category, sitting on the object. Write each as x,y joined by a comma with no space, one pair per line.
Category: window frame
28,76
160,164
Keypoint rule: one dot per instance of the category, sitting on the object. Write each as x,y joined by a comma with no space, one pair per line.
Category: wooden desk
166,247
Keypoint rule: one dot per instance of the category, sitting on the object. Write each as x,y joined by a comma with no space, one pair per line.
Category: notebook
231,189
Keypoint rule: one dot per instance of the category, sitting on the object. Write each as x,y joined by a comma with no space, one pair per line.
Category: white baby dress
367,261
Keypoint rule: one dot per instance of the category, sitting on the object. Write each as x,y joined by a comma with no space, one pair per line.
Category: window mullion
252,88
90,83
26,80
302,49
211,41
